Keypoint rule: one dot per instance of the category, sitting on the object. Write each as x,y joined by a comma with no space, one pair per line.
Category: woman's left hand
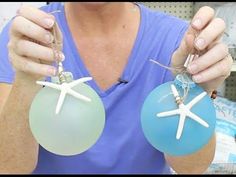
214,63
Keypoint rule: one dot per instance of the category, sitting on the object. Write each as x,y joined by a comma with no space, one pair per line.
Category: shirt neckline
126,73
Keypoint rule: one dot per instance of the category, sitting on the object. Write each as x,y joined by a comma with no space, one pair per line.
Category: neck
95,18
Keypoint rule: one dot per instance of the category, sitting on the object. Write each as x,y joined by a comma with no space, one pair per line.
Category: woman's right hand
30,50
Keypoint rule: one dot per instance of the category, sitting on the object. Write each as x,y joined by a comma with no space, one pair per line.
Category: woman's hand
209,70
214,64
30,50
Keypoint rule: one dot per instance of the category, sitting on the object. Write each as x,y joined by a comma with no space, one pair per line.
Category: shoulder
53,6
156,18
163,29
162,35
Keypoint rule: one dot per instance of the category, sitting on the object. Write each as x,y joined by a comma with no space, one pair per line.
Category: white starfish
184,112
66,88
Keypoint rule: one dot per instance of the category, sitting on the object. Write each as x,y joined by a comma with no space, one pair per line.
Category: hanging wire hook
182,70
56,44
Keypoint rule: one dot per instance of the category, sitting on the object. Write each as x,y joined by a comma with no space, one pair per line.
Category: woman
107,41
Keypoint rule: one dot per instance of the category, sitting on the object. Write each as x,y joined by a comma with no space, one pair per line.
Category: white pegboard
182,10
230,87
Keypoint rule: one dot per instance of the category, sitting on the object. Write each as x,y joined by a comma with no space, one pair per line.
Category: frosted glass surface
161,131
75,129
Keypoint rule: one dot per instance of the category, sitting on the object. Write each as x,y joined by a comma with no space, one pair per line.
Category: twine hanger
182,70
57,46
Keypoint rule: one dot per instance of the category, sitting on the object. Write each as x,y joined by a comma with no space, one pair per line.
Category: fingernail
49,22
52,71
200,43
48,38
197,23
62,56
192,68
197,78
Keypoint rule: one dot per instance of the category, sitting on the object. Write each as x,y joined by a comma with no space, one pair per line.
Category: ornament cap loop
184,81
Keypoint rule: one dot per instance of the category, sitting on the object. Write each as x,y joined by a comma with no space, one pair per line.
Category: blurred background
225,158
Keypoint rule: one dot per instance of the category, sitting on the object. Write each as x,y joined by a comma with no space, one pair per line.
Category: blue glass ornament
165,133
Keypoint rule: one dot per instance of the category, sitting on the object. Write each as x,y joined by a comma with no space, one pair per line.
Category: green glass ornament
66,126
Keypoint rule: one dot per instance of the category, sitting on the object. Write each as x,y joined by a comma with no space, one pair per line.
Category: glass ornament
67,116
175,126
72,130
